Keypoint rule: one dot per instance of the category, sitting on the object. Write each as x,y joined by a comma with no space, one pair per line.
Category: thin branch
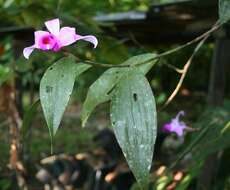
180,71
215,27
176,90
205,35
185,70
134,40
97,64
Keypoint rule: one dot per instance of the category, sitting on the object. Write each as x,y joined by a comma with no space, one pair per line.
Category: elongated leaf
133,117
101,89
55,89
99,92
28,118
224,10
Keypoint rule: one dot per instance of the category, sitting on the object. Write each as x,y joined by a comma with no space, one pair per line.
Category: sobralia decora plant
133,111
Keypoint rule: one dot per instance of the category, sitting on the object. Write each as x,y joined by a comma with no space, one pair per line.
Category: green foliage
33,13
161,182
5,74
5,184
28,118
6,57
133,117
216,137
55,89
133,112
224,10
186,181
211,136
213,133
100,90
71,139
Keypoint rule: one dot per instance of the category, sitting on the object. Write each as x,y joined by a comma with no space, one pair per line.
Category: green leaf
100,91
224,10
55,89
28,118
133,117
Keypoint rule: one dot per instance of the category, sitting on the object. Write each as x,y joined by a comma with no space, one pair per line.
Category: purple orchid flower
56,38
175,125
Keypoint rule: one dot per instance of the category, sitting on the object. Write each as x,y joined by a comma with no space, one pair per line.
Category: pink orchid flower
175,125
56,38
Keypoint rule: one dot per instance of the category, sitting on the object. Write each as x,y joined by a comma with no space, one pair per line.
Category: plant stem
205,35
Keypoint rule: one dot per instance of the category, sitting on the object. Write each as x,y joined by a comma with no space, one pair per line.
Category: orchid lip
47,42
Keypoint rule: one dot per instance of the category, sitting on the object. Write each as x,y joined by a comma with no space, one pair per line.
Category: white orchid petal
53,26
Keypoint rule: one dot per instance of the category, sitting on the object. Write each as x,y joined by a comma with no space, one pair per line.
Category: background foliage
188,155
